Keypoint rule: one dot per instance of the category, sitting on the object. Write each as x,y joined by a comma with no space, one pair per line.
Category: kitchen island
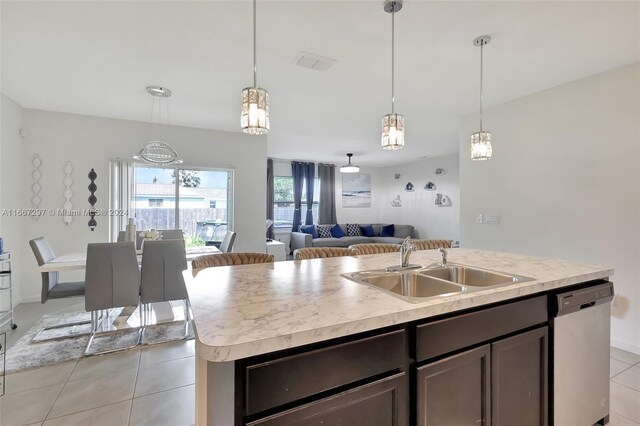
282,342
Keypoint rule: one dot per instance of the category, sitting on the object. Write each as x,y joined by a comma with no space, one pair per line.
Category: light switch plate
492,220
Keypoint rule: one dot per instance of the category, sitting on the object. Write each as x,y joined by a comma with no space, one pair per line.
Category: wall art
409,187
67,193
430,186
396,202
35,187
92,199
356,190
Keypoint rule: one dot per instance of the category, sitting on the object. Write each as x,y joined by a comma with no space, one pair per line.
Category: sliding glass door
198,201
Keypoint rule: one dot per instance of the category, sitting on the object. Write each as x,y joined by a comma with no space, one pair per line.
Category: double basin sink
415,285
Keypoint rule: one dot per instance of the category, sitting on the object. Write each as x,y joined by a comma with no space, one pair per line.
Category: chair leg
186,326
96,318
36,338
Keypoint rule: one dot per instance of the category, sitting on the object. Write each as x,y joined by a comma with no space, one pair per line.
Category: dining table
78,261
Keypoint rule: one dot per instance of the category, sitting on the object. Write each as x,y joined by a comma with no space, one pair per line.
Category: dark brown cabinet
381,403
519,379
501,384
456,390
481,367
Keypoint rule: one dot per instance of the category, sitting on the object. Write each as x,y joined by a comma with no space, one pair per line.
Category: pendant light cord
481,79
393,62
255,67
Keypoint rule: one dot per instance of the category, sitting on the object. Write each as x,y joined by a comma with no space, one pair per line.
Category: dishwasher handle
584,298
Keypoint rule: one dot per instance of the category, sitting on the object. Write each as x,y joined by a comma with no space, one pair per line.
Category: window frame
177,168
303,201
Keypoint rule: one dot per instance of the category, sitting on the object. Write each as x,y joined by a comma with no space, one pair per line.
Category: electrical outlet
479,218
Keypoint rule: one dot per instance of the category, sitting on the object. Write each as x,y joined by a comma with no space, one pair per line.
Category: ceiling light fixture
349,168
481,141
254,118
392,124
157,151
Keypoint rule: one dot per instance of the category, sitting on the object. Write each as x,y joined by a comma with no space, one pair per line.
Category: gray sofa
302,240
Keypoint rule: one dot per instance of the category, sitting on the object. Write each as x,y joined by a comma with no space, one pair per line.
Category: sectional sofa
302,240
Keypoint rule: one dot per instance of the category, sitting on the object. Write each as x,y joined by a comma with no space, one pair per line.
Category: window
198,201
283,205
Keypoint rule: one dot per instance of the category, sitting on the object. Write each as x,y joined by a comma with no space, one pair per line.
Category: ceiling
96,58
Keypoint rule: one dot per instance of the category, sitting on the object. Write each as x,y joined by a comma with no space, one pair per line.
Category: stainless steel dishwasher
581,338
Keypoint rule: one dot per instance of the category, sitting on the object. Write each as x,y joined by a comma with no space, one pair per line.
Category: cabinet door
384,402
455,390
519,379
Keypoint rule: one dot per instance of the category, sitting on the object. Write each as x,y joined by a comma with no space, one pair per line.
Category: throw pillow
309,229
353,230
337,231
367,230
387,231
324,231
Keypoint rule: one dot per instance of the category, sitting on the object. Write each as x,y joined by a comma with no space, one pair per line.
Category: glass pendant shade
254,118
392,131
481,146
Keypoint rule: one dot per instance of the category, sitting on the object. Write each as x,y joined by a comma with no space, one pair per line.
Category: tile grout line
165,390
135,385
83,411
625,417
60,393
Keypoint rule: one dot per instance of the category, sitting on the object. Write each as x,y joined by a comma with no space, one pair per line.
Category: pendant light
157,151
254,118
349,168
392,124
481,141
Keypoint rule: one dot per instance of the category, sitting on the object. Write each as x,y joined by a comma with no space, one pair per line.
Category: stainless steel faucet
406,248
443,253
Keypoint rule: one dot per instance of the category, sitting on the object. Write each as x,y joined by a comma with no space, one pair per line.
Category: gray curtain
270,197
297,172
309,175
327,207
120,185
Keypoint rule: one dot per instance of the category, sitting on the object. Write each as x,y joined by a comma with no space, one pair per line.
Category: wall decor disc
67,218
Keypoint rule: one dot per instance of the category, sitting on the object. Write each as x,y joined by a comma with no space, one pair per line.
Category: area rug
25,354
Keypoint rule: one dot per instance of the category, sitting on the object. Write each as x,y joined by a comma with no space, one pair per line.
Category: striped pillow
324,231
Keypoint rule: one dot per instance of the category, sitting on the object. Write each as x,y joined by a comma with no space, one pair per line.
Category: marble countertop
242,311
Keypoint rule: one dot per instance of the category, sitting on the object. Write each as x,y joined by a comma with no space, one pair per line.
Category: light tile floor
155,386
149,386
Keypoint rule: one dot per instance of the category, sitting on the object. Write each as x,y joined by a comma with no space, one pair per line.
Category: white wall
90,142
418,207
10,176
565,179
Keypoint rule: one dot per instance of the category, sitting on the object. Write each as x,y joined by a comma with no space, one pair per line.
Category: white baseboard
625,346
28,299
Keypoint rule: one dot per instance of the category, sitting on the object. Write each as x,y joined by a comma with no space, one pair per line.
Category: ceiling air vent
314,62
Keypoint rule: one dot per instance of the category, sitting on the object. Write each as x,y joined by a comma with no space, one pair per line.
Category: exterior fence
165,218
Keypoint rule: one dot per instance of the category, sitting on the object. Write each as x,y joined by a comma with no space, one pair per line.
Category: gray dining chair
112,281
161,280
52,288
227,242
